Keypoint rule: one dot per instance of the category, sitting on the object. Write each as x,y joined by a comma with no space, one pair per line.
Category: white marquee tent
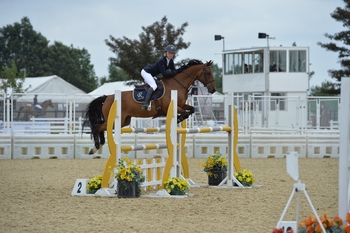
55,87
109,88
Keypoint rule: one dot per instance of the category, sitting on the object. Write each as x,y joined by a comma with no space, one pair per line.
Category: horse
32,111
97,111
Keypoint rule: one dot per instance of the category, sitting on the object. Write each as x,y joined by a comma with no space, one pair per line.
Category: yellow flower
129,171
215,162
245,177
176,184
94,183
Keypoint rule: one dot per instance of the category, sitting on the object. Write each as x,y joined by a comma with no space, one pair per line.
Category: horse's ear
209,63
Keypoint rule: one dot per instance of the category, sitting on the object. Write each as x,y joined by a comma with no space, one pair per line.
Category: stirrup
147,107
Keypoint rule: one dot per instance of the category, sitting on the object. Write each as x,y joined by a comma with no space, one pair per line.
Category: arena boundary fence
253,142
322,145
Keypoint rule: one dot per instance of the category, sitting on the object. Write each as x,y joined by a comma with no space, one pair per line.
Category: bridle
196,77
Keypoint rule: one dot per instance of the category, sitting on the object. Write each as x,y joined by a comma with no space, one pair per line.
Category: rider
162,66
36,105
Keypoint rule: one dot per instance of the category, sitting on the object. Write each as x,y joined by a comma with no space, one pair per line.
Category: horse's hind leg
98,137
102,138
97,144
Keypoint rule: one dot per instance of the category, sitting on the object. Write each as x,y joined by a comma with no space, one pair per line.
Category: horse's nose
211,89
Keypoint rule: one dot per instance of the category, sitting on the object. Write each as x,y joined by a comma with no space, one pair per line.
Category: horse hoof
92,151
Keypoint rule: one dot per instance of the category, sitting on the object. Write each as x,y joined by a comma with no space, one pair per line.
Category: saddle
140,91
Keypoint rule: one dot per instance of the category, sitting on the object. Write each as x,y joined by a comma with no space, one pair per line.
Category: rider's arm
162,68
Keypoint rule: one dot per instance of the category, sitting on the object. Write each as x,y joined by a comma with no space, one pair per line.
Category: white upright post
230,180
70,118
176,170
344,157
230,155
7,120
117,124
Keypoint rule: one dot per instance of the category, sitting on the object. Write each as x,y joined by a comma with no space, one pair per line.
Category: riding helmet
170,48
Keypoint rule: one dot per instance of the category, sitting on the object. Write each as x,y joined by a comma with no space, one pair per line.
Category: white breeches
38,106
149,79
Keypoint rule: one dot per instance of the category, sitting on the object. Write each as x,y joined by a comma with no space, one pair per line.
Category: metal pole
223,44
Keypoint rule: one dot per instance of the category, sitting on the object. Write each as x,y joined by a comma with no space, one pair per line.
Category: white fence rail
20,146
309,126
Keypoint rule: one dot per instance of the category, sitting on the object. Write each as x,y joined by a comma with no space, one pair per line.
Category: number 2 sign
80,187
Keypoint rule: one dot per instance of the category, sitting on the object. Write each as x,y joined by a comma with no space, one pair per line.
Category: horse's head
206,77
49,103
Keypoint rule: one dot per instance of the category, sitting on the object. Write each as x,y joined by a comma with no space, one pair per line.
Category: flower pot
92,191
177,192
216,178
127,189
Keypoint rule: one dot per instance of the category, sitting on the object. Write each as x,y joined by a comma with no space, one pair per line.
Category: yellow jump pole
184,161
236,161
113,117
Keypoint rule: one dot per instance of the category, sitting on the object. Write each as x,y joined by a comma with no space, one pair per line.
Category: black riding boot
148,96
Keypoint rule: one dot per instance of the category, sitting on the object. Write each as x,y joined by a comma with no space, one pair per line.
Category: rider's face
170,55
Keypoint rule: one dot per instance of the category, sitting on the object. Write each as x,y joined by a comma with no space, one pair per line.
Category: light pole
262,35
219,37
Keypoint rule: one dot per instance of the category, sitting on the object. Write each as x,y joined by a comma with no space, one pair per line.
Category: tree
115,74
27,48
327,88
11,78
133,55
340,15
217,72
30,50
73,65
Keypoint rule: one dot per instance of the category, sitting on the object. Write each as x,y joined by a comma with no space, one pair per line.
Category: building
275,71
267,79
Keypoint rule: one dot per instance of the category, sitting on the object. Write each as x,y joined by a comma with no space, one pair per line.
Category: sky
87,24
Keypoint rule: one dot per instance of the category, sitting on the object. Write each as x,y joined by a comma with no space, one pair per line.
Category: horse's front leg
184,112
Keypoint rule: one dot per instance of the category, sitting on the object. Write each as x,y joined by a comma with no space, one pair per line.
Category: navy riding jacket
161,67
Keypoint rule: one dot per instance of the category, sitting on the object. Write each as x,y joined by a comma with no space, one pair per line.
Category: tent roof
49,84
109,88
55,87
218,97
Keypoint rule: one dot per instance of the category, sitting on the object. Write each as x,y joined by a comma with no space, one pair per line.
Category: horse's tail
93,115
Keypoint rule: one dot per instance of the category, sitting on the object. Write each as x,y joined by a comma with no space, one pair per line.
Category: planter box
127,189
216,178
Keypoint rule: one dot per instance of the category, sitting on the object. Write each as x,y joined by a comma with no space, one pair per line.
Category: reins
195,77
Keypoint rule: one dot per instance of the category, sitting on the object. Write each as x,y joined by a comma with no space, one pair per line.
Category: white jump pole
344,155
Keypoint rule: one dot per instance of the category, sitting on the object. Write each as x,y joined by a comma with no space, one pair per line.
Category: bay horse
97,111
31,111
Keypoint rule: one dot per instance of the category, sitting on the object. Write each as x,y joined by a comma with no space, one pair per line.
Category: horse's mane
191,63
